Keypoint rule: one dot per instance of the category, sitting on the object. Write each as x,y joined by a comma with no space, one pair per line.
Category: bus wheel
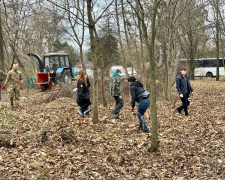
209,75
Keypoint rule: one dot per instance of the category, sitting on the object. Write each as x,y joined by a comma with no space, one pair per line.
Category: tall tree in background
125,24
193,33
217,39
120,38
142,48
74,22
2,59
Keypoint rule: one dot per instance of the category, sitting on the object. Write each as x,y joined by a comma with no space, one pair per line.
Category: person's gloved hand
132,109
181,95
1,79
21,84
3,87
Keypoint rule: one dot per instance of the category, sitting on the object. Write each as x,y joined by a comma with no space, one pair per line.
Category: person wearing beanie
116,90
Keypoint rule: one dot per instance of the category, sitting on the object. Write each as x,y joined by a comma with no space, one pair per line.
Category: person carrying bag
141,96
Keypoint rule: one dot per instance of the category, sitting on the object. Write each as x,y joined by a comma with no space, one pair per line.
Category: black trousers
84,104
186,101
118,106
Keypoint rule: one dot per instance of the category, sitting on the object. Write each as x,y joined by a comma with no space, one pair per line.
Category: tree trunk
102,67
150,42
102,77
154,140
142,50
81,58
223,54
191,56
95,69
169,61
217,41
127,39
120,40
2,60
177,60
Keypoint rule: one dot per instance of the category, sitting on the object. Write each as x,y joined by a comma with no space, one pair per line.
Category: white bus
206,67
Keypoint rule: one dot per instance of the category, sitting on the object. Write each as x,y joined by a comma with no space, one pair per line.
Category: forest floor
47,139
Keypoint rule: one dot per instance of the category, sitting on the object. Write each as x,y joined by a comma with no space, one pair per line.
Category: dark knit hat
131,79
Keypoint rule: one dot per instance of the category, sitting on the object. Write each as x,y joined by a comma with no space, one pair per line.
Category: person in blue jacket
184,89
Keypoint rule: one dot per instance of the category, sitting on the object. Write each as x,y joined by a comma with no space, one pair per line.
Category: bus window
198,63
221,62
213,63
209,63
206,63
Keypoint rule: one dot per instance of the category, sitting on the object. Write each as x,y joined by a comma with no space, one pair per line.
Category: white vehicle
114,68
89,73
206,67
130,71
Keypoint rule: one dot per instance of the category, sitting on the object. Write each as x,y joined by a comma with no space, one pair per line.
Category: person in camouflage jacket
116,91
14,79
2,77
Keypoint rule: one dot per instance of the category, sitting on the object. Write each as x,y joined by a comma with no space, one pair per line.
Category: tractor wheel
66,77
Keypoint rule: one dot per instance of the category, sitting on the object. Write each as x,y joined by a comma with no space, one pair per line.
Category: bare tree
120,39
150,43
74,22
2,59
217,39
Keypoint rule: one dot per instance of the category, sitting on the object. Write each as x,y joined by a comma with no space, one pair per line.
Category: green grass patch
7,116
57,121
15,120
7,127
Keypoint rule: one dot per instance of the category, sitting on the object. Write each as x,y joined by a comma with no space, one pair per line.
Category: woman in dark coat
83,98
137,90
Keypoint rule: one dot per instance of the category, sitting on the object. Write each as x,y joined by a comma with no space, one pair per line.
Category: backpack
145,94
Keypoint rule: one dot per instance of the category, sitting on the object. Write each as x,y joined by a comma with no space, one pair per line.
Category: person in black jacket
184,89
83,98
136,90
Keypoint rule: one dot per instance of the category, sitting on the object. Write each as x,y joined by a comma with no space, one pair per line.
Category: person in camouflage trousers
2,77
14,79
116,91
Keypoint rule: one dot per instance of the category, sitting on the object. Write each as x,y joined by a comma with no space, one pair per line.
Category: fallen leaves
51,140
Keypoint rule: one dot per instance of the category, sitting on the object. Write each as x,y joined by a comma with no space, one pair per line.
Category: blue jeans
84,104
142,107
